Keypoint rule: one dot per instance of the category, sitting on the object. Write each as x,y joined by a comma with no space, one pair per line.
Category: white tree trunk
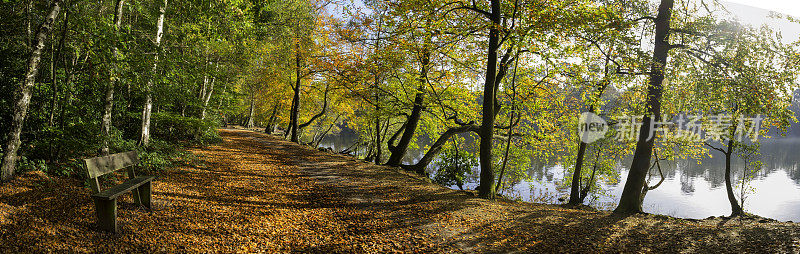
23,94
202,94
207,96
109,98
148,102
28,21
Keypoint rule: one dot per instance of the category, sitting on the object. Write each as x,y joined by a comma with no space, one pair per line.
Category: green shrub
74,140
209,136
60,151
25,164
161,154
153,161
454,166
173,127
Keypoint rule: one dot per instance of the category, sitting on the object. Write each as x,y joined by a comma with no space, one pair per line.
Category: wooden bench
105,201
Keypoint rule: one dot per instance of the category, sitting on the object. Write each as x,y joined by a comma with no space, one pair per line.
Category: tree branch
465,7
321,113
651,18
713,147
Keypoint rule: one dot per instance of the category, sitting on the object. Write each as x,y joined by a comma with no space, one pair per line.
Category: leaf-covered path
255,193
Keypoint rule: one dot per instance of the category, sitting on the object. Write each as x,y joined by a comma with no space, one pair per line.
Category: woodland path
256,193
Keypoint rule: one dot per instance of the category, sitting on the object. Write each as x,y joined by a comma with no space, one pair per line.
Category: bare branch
713,147
651,18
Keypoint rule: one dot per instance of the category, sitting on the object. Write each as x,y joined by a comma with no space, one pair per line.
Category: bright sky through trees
791,7
760,16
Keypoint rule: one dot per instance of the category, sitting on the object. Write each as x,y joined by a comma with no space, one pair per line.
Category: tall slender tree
486,189
23,93
631,199
144,139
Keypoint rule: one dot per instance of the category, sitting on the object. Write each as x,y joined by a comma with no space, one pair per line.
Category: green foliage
173,127
749,154
30,165
160,155
62,124
517,166
454,166
163,154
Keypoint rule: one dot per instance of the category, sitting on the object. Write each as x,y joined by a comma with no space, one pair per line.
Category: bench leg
144,192
135,192
136,197
106,211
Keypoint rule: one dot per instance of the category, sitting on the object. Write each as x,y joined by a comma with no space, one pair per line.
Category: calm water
691,190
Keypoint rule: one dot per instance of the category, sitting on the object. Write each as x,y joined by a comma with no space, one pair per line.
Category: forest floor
256,193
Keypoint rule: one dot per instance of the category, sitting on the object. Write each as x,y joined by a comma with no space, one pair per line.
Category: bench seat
114,192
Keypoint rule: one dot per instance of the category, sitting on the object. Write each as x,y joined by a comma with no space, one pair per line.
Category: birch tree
105,128
23,93
144,140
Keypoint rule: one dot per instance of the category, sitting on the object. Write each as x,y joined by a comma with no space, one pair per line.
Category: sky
756,13
790,7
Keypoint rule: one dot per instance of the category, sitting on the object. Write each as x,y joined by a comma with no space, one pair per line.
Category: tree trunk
505,155
295,113
113,78
207,95
23,94
422,164
322,136
106,123
53,82
486,188
202,91
250,119
590,183
28,23
289,126
318,115
208,90
272,118
56,57
574,194
378,145
144,140
68,96
630,201
399,151
69,72
510,125
736,209
390,142
202,95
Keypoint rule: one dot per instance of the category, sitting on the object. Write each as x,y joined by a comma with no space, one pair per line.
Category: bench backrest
98,166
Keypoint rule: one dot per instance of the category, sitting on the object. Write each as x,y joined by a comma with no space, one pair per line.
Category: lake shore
256,193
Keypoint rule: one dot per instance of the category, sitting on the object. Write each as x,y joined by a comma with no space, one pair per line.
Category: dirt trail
256,193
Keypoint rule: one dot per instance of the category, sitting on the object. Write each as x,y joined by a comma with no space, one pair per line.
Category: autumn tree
743,77
630,200
610,58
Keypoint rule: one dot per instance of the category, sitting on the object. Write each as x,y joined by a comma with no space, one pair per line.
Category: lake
690,190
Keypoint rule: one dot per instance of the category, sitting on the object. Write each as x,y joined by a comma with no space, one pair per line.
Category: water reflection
690,190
